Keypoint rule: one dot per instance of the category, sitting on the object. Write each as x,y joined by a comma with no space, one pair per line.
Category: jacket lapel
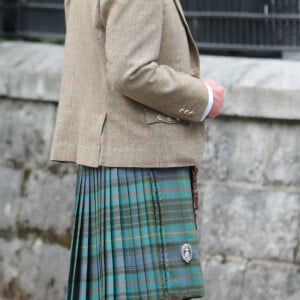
189,34
180,10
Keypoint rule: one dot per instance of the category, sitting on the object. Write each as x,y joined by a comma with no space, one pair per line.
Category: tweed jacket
131,93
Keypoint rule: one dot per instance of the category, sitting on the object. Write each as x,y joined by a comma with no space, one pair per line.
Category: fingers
214,84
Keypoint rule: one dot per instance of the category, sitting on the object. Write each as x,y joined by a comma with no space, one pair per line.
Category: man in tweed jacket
131,93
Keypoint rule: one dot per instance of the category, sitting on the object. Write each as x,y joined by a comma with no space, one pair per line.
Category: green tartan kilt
128,228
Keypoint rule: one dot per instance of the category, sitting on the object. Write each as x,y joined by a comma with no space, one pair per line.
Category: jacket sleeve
66,11
133,32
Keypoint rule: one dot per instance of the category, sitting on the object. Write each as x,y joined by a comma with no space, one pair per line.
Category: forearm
132,51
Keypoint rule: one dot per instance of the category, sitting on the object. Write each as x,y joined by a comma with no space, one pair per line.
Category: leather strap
194,183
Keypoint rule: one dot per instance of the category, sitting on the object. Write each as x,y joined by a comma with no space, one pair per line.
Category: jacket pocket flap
153,116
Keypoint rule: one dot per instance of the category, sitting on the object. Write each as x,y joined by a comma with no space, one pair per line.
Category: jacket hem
128,165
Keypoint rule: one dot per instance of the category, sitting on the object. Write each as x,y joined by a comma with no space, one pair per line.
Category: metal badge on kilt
186,252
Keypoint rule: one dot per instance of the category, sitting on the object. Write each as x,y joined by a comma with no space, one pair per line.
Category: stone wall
249,181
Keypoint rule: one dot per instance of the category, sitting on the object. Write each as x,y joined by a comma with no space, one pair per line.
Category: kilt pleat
128,227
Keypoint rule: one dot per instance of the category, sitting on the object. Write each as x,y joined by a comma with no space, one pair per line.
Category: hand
218,92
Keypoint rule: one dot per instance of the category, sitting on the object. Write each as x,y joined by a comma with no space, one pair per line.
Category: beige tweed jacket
131,93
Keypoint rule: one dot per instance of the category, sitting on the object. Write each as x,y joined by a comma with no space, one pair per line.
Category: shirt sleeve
210,102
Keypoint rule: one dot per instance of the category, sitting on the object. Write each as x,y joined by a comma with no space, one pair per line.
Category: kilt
128,229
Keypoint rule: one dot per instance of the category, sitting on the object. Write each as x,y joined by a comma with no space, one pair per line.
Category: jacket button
192,113
159,117
195,72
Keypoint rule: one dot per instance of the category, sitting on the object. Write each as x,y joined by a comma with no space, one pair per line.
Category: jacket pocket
152,116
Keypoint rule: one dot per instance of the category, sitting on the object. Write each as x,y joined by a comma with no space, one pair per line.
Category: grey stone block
223,281
297,249
11,54
265,153
30,70
268,281
235,150
48,202
264,88
283,162
33,270
291,55
238,279
252,224
10,185
26,130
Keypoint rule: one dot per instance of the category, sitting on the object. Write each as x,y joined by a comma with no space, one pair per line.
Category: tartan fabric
128,228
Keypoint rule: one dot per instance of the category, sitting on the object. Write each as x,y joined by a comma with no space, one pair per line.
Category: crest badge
186,252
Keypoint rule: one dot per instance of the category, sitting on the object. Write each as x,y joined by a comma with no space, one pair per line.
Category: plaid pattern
131,68
128,228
